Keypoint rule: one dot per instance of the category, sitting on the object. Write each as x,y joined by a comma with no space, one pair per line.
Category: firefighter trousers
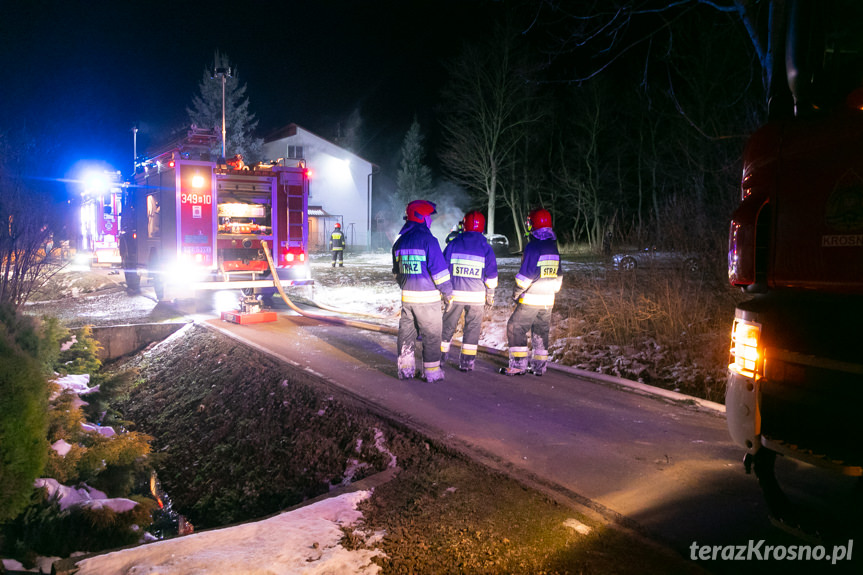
535,319
423,320
472,326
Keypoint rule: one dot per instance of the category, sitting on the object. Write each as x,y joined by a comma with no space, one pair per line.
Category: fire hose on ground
327,318
350,322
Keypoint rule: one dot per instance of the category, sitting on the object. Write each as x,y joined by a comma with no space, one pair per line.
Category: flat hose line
350,322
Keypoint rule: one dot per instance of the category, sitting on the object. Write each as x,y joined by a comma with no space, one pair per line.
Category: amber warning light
744,348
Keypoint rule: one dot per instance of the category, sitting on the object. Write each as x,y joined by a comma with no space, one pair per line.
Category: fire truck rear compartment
242,259
812,385
813,411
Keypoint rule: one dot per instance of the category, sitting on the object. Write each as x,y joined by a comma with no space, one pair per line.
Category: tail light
293,256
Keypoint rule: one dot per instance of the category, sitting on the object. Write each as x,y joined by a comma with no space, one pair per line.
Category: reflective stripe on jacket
337,240
537,280
419,266
472,266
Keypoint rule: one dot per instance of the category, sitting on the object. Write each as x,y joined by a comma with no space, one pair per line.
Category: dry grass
667,328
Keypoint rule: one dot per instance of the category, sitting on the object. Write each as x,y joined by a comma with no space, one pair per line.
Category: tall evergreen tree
240,124
414,179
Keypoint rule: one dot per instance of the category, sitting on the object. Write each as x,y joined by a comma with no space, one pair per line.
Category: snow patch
84,496
305,541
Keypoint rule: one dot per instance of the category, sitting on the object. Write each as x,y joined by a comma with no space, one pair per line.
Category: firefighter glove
448,302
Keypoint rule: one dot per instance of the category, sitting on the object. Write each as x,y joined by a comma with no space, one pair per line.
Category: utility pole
134,148
223,74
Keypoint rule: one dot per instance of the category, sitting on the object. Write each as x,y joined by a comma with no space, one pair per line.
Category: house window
154,216
295,152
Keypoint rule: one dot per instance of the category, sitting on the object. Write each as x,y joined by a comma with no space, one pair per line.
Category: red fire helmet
419,210
474,222
338,225
538,218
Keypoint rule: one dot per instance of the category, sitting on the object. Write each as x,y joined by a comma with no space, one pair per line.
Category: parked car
651,258
499,244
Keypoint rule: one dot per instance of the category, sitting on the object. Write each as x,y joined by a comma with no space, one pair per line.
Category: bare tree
486,103
610,31
582,167
529,183
29,218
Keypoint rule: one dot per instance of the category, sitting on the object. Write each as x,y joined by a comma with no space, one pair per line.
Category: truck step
850,468
247,318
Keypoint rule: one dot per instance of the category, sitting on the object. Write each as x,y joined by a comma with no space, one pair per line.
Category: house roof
284,132
318,212
292,130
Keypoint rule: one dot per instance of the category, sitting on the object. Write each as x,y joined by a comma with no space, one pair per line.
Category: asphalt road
664,468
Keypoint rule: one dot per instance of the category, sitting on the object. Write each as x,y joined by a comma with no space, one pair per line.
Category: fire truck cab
795,376
191,224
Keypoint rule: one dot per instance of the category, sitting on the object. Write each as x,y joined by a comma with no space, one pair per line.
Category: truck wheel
154,272
130,273
133,280
130,265
764,465
801,517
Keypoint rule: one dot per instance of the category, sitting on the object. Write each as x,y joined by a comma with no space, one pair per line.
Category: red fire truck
100,217
795,379
190,225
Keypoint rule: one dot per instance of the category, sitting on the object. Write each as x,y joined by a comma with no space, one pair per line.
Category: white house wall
339,184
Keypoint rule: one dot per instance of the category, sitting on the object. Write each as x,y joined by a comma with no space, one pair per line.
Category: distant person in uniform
423,276
606,242
473,269
456,230
337,245
237,163
536,283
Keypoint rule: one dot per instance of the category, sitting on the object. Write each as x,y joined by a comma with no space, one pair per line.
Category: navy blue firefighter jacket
419,266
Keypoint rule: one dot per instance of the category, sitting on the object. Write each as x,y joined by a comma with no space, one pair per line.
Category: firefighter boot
433,374
538,362
538,367
465,362
444,351
406,365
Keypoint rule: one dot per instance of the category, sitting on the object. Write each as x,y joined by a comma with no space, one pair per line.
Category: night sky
84,73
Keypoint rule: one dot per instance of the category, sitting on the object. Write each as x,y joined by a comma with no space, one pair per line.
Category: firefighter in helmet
473,269
337,245
423,277
536,283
